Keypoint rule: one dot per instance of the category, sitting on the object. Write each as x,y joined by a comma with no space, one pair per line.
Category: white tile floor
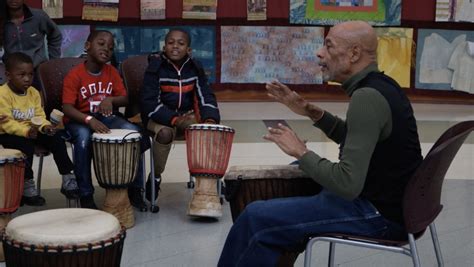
170,238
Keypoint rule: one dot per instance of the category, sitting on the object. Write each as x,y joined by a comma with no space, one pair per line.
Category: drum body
12,170
116,156
245,184
64,237
208,150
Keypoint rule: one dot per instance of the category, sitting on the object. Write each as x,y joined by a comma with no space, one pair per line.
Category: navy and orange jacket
169,92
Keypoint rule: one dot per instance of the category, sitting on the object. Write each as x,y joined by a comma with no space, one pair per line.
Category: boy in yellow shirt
20,102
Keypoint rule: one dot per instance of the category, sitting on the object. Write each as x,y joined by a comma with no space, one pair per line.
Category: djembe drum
208,149
116,156
12,170
245,184
64,238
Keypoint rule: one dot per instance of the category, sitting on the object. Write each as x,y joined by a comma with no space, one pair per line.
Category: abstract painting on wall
100,10
199,9
252,54
152,9
394,53
330,12
445,60
74,37
455,10
54,8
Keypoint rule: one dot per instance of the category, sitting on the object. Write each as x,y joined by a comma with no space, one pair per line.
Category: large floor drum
64,238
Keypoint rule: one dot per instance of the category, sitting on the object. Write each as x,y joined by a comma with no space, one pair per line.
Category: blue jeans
267,228
81,136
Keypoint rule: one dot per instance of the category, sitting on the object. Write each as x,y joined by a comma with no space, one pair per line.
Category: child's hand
105,107
3,118
98,126
32,133
49,130
185,120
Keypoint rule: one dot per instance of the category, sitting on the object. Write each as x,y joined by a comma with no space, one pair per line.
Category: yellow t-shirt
20,108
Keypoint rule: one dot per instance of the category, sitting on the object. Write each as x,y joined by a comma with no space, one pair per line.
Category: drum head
211,127
63,227
10,155
117,136
264,172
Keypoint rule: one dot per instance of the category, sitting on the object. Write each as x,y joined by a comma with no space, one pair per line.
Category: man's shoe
157,183
135,194
69,186
87,202
33,201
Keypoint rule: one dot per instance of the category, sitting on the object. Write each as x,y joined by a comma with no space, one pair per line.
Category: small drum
208,149
245,184
64,237
12,170
116,157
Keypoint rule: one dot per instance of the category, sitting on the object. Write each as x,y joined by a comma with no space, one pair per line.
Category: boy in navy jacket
175,94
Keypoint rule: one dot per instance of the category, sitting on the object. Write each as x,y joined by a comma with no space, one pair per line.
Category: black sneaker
135,194
33,201
148,187
87,202
69,186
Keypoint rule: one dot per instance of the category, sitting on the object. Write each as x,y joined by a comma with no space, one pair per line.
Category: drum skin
33,241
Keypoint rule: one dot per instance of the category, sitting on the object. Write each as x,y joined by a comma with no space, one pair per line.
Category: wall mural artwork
394,53
330,12
74,37
455,10
132,41
100,10
253,54
445,60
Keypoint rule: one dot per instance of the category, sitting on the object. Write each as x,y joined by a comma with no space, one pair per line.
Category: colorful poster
100,10
131,41
152,9
74,37
394,53
330,12
253,54
256,9
54,8
455,10
199,9
444,60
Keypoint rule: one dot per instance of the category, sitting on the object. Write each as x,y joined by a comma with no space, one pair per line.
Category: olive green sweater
368,121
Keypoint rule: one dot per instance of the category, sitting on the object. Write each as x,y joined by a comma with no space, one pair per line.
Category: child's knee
164,136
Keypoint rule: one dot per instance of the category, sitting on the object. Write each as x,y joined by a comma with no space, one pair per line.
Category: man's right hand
98,126
286,96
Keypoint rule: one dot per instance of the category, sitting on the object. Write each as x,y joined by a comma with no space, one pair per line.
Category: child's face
15,4
101,48
176,46
20,77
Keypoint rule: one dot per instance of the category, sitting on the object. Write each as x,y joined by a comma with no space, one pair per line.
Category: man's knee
164,136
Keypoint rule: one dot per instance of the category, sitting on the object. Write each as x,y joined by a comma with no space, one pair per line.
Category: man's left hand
287,140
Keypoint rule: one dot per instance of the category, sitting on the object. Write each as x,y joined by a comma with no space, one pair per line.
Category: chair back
3,78
133,71
52,74
422,197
